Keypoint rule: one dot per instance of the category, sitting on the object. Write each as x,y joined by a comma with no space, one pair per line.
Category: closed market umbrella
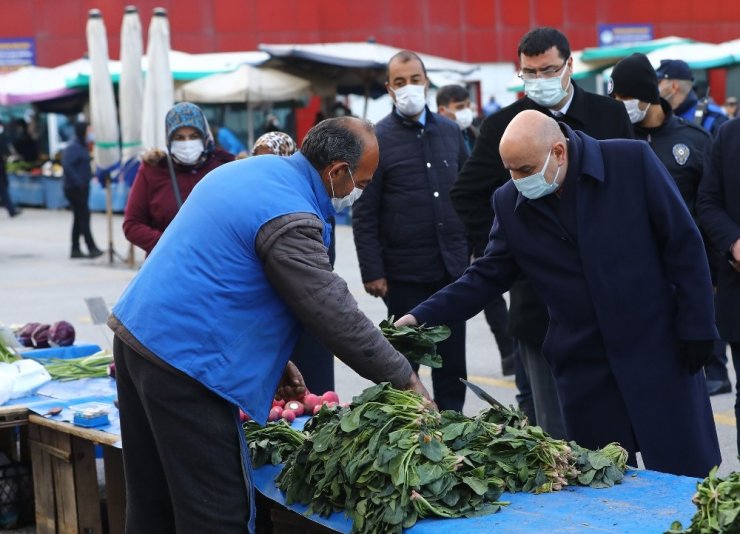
158,86
104,118
130,92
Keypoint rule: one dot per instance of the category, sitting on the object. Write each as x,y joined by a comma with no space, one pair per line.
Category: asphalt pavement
39,282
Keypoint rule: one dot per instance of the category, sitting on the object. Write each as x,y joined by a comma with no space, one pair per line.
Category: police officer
675,85
680,146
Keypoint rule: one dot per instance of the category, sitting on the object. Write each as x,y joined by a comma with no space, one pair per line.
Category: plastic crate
54,193
16,496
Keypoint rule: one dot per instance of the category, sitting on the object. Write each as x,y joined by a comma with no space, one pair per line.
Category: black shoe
16,212
76,254
95,253
718,387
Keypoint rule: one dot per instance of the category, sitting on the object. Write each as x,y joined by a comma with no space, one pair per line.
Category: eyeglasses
548,72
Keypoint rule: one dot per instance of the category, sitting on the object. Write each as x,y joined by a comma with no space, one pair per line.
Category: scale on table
99,314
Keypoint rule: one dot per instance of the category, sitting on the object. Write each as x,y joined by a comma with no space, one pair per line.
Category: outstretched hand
406,320
291,385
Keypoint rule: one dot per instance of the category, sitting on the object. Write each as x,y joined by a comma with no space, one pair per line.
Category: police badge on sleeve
681,153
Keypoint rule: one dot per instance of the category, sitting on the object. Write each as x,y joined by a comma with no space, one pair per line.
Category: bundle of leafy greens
93,366
7,355
718,503
417,343
389,459
272,443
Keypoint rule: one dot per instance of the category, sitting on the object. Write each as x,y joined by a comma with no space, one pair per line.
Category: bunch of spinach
417,343
718,503
601,468
389,459
272,443
382,460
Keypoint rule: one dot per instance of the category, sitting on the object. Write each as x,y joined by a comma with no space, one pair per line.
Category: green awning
617,52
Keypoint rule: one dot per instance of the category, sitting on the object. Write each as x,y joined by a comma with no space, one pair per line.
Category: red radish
289,415
344,405
275,413
278,402
317,408
330,396
331,404
296,407
310,401
244,416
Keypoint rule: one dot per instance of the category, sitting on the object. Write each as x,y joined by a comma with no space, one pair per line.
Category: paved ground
38,282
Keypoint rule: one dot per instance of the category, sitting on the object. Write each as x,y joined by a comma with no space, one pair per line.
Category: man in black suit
546,68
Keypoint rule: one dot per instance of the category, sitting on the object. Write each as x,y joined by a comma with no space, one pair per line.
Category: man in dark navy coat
600,229
719,214
409,240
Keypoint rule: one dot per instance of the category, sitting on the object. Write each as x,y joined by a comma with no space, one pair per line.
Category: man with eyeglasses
546,70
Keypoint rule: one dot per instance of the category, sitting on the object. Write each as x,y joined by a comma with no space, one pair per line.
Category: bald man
600,229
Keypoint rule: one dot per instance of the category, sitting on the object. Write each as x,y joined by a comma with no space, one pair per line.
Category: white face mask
535,185
464,118
187,152
345,202
633,110
410,99
546,92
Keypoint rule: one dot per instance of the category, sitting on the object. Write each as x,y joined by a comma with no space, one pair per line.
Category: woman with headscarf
165,179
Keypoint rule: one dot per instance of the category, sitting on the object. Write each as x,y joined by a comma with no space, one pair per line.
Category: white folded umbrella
158,85
131,88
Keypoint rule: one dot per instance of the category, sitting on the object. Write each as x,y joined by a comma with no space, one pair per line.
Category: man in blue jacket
208,324
601,231
409,240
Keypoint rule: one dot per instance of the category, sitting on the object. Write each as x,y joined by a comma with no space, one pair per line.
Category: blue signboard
17,52
616,34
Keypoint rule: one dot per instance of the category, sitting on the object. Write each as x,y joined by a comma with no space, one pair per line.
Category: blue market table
646,502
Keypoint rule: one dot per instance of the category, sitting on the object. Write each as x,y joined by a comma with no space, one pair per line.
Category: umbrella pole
367,99
250,128
109,215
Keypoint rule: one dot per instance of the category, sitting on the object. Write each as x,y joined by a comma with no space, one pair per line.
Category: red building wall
468,30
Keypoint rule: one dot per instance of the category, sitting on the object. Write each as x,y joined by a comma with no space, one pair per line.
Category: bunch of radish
309,405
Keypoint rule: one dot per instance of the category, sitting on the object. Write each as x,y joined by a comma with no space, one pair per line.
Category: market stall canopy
697,55
184,66
32,84
245,84
614,53
349,67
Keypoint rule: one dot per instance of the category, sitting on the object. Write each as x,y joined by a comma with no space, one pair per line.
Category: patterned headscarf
187,114
278,143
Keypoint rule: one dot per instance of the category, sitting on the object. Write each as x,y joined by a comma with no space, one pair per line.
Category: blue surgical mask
535,185
345,202
546,92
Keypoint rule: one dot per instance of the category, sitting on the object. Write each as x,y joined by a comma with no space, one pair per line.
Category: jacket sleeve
137,216
366,229
489,276
722,230
297,264
481,175
681,249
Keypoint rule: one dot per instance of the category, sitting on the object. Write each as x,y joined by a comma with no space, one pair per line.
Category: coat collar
408,123
577,111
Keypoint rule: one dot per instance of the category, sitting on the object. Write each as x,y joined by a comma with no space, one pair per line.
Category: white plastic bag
25,376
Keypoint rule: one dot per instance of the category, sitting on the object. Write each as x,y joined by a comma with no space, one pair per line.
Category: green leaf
480,487
429,472
433,449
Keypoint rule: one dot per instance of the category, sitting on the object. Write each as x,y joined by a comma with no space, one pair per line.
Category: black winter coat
718,206
598,116
404,225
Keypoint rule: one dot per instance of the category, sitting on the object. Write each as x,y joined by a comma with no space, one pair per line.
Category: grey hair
336,139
